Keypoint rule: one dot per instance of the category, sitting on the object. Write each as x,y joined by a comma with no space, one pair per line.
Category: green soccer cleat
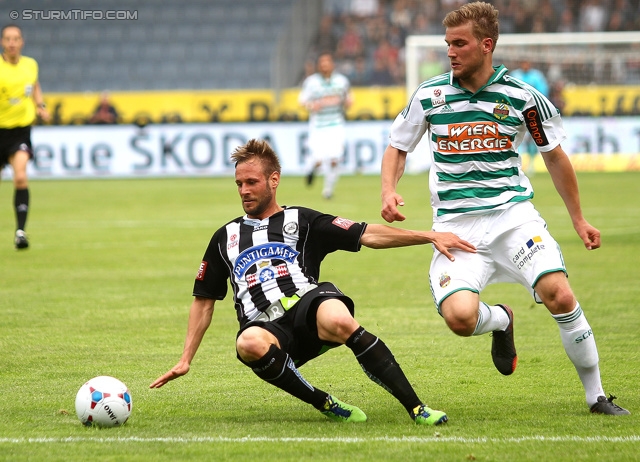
424,415
342,412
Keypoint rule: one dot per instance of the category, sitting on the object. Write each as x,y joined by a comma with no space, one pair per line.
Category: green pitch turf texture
105,289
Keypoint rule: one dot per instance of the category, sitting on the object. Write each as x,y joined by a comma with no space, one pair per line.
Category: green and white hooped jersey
474,139
333,91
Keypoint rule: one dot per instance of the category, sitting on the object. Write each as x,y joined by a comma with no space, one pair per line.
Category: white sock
330,180
580,345
490,318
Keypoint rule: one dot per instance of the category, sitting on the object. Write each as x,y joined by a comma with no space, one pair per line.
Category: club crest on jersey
343,222
201,271
290,228
256,254
445,280
501,111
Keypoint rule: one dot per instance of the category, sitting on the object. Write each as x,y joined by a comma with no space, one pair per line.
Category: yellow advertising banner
191,106
594,100
370,103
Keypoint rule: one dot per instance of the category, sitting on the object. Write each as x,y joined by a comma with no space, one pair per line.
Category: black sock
21,204
378,363
277,368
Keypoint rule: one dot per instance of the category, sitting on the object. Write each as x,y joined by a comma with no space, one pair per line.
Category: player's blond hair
484,17
258,149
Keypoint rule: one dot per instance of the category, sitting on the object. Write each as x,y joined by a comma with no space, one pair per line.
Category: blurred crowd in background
367,36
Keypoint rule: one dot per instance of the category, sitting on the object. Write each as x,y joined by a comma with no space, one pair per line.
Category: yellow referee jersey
17,82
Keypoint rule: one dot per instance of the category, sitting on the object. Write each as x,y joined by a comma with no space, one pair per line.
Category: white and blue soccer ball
104,402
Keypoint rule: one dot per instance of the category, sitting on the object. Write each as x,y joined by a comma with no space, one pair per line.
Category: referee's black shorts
297,331
13,140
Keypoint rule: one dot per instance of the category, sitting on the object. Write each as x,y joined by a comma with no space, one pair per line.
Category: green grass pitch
105,289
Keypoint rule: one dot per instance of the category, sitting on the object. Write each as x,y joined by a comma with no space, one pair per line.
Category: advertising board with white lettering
204,149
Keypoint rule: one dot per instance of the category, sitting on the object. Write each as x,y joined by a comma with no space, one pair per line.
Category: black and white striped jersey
266,260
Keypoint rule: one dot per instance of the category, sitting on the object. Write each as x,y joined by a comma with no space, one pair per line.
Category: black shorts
296,330
13,140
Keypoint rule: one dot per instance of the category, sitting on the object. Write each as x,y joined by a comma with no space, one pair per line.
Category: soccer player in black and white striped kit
287,316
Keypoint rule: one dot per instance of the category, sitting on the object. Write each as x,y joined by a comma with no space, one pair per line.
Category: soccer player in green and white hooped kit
475,116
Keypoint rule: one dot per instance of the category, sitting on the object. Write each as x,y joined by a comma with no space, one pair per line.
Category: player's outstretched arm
199,321
385,237
393,163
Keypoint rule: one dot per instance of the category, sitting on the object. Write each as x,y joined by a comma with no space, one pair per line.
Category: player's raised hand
176,371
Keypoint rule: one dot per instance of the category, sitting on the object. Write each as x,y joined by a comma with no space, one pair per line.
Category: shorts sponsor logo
473,138
445,280
201,271
343,222
525,255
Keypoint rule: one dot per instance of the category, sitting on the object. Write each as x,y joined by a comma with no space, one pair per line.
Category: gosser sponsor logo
474,137
201,271
343,222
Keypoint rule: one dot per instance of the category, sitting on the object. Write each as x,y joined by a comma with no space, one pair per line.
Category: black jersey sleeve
211,279
330,233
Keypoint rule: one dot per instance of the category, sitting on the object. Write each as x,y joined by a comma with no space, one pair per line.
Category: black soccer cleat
606,406
503,348
21,241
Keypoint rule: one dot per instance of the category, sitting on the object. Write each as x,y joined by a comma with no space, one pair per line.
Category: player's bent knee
560,301
253,343
335,325
460,323
463,329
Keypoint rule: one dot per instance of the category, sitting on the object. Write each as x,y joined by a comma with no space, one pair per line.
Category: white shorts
327,143
513,245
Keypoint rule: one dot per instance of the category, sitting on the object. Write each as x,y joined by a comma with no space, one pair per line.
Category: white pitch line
345,440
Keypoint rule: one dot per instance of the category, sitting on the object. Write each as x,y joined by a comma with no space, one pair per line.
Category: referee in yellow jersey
20,101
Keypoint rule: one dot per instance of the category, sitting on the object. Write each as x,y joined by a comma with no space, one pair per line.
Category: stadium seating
192,44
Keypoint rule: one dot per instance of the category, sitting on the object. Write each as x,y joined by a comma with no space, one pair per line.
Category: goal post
580,58
589,74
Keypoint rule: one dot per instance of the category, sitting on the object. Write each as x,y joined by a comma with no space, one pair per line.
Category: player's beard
469,69
260,204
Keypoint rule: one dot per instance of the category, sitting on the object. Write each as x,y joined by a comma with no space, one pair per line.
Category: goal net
606,58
